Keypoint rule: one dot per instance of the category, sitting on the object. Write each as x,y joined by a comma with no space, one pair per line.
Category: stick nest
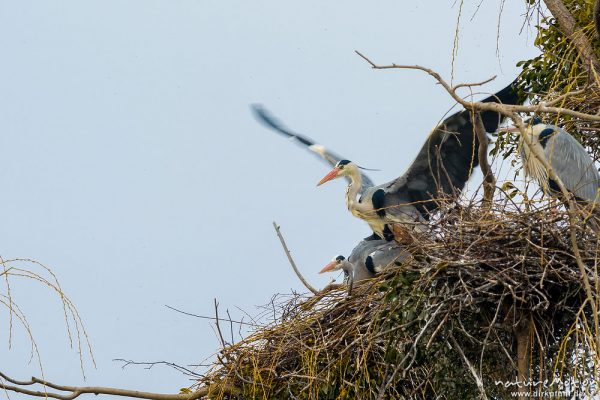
443,324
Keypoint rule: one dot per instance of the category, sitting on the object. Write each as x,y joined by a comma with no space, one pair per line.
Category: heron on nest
367,259
568,158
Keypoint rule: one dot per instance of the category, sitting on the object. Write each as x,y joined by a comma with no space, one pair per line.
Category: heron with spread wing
442,166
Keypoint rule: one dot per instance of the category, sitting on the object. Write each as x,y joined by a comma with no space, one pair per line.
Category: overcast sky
132,166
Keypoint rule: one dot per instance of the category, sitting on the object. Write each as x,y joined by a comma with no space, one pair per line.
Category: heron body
442,166
368,258
567,157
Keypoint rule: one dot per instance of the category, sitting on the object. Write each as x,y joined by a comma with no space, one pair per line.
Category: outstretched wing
446,160
330,157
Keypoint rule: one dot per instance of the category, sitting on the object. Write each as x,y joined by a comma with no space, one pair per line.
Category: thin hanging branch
293,264
575,34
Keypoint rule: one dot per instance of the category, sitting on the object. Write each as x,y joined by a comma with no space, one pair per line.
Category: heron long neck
353,187
533,167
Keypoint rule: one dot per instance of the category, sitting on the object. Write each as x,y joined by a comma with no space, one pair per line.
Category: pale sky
133,167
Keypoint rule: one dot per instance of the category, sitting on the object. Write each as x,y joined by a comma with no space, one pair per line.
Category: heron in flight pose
368,258
443,165
567,157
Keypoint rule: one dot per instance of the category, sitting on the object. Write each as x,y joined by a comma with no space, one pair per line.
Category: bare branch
289,256
500,108
151,364
478,380
223,343
211,318
72,392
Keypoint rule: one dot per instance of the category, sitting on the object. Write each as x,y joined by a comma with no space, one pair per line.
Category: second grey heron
368,258
567,157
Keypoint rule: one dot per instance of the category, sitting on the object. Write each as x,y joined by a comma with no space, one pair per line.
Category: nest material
432,327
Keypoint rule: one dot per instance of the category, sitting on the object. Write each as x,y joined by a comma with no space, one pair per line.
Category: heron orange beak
331,175
329,267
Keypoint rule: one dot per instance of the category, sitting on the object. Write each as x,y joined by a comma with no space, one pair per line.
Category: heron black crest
545,135
340,258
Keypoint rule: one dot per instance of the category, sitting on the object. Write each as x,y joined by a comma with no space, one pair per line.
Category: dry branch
73,392
489,182
291,260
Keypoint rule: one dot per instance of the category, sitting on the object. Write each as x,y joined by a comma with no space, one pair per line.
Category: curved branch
72,392
500,108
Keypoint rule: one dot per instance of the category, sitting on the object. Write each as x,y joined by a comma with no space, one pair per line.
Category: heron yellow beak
331,175
329,267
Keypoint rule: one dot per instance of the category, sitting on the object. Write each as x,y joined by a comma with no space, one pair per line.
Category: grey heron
443,165
368,258
569,159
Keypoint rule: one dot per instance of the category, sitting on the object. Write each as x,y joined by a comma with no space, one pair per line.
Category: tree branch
289,256
575,34
73,392
477,378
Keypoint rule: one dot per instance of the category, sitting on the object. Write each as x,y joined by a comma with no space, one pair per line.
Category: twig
223,343
151,364
211,318
478,380
291,260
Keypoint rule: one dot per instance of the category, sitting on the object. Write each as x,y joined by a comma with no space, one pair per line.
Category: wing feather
328,156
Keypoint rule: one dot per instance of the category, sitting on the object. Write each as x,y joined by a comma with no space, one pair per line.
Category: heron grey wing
363,249
330,157
387,254
448,157
573,165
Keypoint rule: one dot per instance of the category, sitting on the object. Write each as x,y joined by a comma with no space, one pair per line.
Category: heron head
337,263
530,124
342,168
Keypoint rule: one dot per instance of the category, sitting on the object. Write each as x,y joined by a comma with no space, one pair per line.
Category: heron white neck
353,187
